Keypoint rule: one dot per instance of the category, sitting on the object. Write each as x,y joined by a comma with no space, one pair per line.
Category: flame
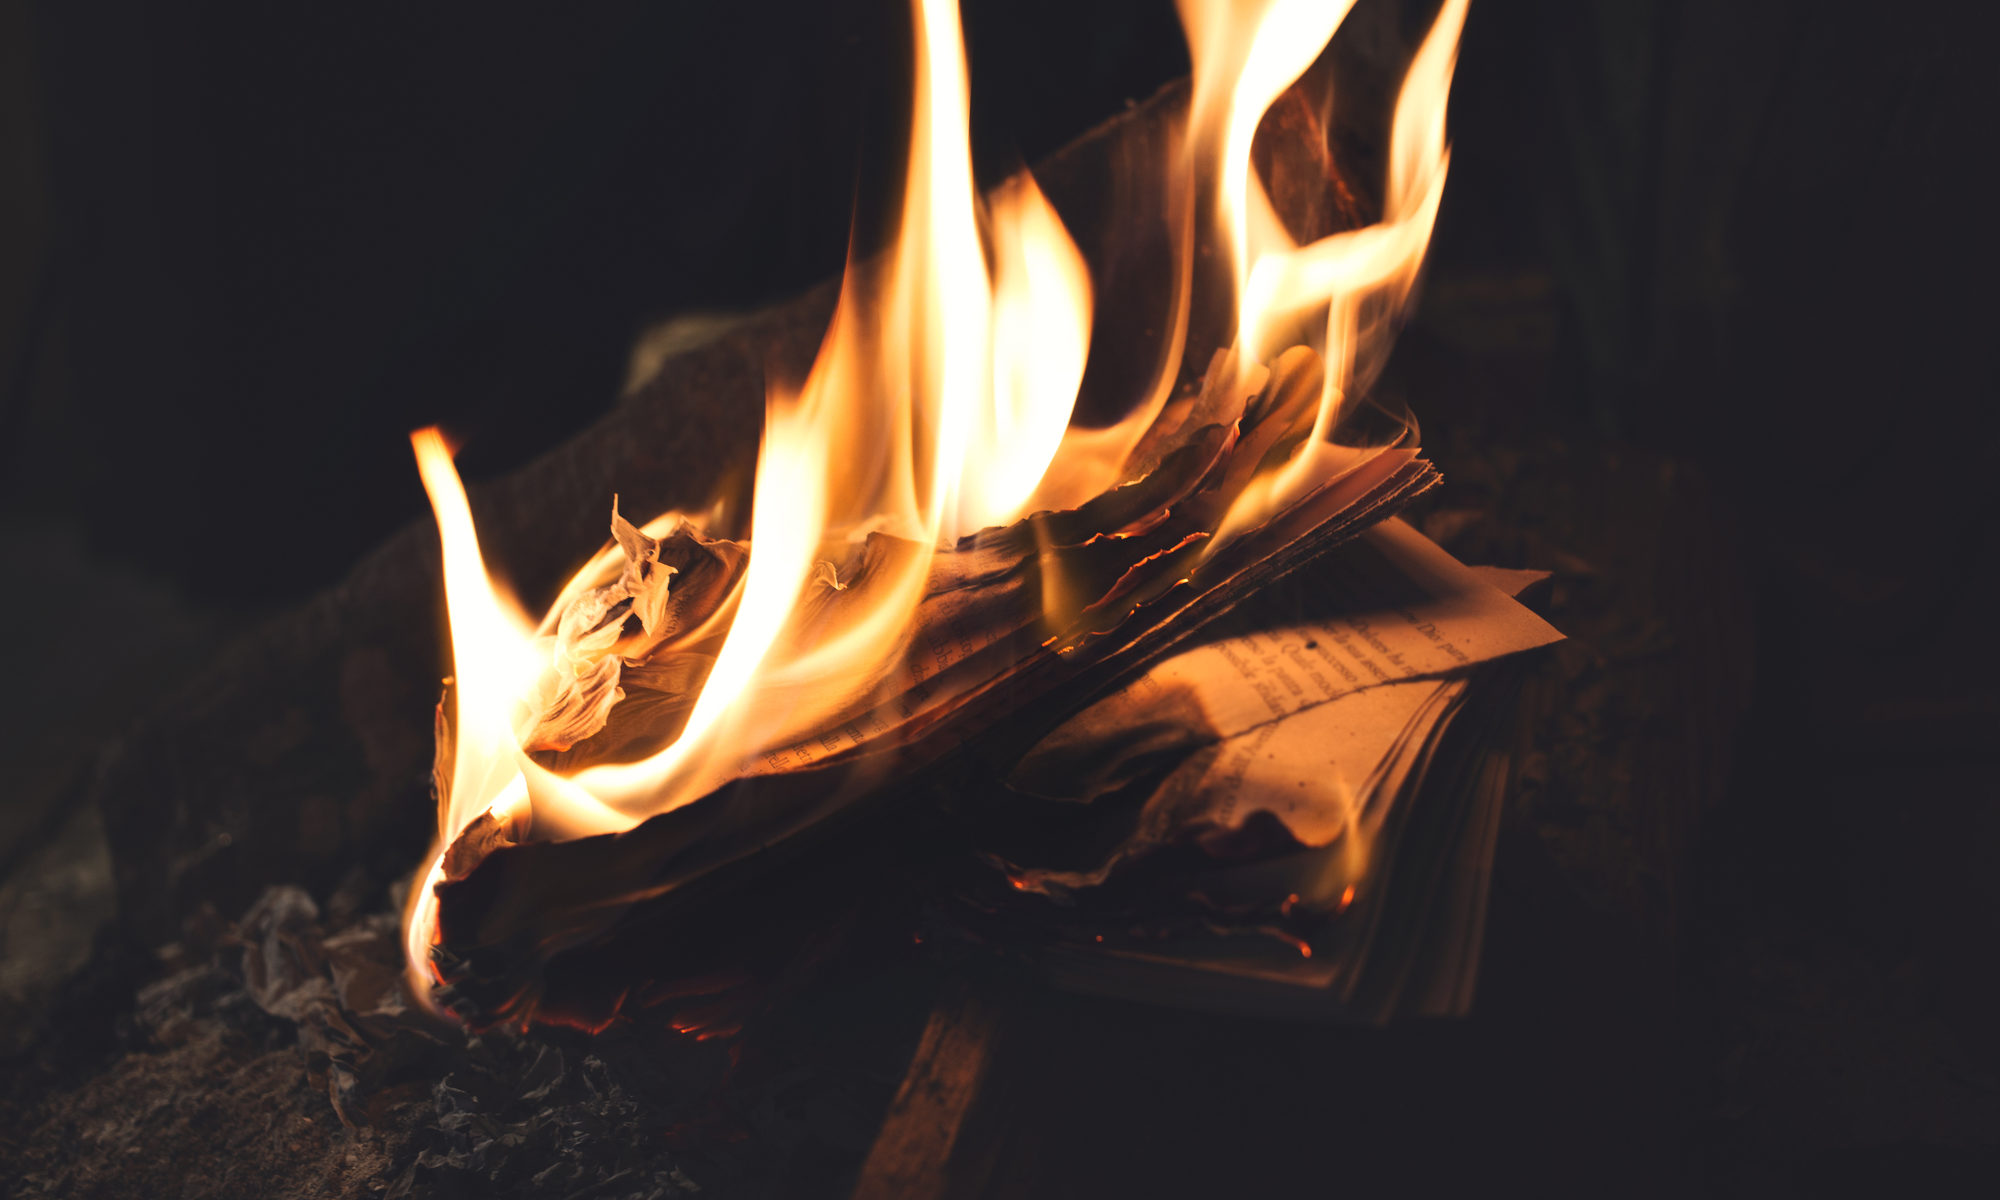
1245,56
491,642
1386,255
990,364
939,404
1364,277
1041,337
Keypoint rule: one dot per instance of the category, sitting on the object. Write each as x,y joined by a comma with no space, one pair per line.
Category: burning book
936,564
1293,817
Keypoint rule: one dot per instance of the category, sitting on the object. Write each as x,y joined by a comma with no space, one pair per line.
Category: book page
1390,607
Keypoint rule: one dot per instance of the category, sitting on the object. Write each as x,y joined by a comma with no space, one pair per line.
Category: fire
939,404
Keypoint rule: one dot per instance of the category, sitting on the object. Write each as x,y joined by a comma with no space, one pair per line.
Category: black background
248,246
251,246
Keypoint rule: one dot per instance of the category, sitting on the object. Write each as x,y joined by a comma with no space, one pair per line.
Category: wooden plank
912,1152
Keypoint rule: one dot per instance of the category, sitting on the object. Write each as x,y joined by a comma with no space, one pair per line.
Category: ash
275,1056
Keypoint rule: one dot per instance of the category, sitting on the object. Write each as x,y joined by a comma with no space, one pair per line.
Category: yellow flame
986,367
1364,277
492,645
1245,56
1387,254
492,661
989,366
1041,337
938,404
788,514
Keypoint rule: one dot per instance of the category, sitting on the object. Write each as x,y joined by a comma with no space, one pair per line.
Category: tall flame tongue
986,377
939,404
1363,277
937,400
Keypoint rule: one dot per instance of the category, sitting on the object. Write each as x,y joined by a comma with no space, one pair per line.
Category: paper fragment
1392,607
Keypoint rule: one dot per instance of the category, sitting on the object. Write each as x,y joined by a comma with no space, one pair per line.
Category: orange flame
1364,277
938,404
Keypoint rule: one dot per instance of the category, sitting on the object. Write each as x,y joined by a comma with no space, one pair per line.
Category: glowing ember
938,406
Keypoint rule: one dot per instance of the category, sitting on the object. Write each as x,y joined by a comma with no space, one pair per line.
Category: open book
1018,627
1296,815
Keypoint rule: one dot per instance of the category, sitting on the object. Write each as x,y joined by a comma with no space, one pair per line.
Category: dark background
249,247
244,248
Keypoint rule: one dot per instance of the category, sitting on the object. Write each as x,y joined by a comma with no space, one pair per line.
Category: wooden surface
912,1152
